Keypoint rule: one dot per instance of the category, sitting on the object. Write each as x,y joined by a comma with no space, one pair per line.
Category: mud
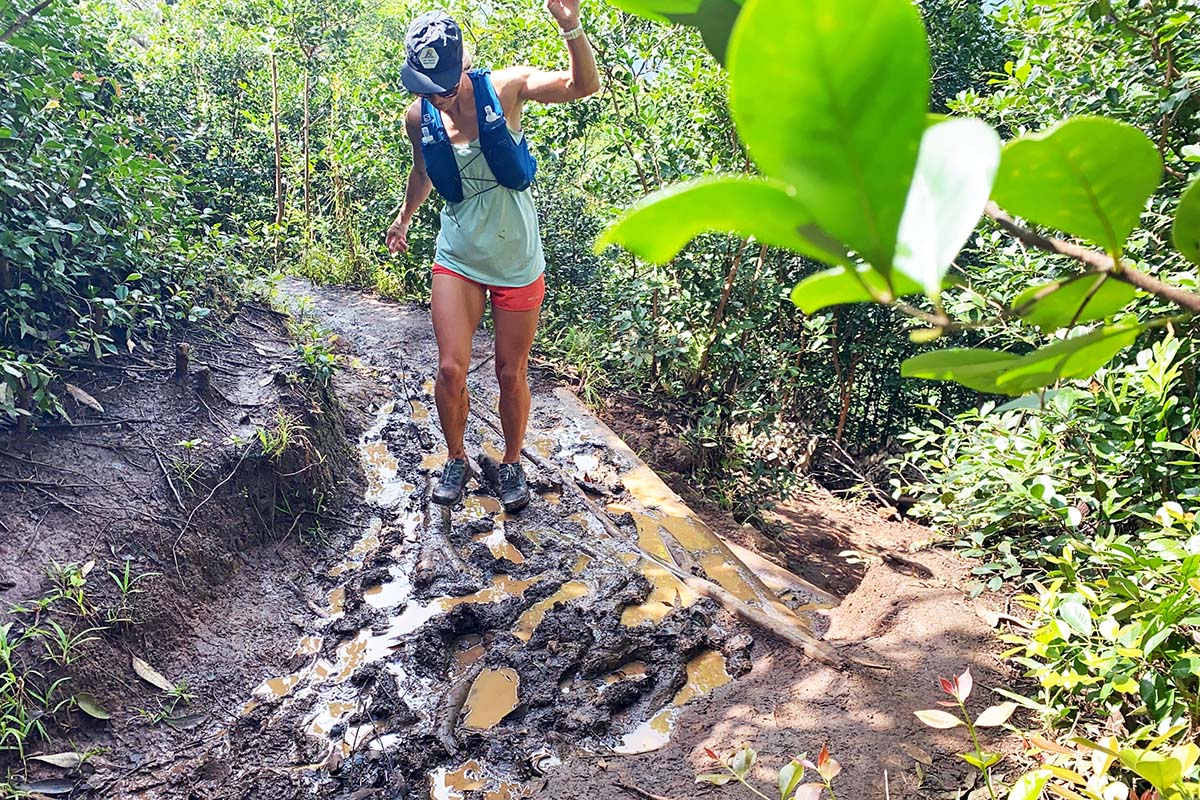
409,652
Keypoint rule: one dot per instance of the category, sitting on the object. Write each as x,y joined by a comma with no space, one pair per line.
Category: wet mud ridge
464,653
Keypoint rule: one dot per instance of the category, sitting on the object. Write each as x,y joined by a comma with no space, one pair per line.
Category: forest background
159,160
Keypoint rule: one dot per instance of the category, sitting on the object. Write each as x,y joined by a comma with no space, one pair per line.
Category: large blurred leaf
831,98
1088,176
1071,358
660,225
972,367
953,178
839,285
713,18
1186,230
1059,304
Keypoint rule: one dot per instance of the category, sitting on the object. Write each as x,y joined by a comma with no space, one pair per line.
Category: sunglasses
443,95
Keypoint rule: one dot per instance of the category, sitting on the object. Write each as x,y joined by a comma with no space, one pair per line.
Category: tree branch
1099,262
23,20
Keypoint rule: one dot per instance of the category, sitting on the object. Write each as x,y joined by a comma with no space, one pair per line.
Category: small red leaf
823,756
947,686
708,751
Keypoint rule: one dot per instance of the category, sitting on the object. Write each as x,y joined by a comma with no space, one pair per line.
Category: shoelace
510,477
453,472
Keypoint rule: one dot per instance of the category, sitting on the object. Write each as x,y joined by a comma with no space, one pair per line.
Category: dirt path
498,656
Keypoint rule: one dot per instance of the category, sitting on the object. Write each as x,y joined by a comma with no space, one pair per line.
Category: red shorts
506,298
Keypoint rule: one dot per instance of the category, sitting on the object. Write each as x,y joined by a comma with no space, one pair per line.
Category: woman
489,244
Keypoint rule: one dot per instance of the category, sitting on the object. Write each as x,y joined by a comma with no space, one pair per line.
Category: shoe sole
515,507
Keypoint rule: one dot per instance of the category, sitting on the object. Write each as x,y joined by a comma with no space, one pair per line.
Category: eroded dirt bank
403,654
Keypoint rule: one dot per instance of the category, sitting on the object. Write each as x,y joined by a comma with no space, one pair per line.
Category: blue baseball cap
433,54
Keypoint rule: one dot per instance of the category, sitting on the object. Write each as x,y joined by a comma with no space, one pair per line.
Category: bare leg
514,338
457,308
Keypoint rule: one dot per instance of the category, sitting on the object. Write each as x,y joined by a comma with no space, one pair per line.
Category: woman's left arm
563,86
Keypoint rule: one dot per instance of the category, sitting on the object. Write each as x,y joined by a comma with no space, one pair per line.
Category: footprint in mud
473,659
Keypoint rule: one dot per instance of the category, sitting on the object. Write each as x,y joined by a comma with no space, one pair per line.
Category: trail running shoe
449,489
514,491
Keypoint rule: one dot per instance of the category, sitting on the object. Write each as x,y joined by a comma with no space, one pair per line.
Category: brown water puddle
533,615
467,650
493,696
446,784
666,594
499,545
705,672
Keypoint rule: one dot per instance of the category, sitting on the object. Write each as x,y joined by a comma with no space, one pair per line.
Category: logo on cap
428,57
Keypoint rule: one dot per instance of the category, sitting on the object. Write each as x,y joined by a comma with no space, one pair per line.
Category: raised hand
566,12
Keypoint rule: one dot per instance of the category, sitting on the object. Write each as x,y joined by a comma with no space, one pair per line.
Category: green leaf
987,760
89,705
839,285
1071,358
715,20
953,178
1161,771
1186,230
1083,298
1191,152
789,778
1186,667
657,9
715,778
1088,176
659,226
743,761
831,98
974,367
1029,786
1076,615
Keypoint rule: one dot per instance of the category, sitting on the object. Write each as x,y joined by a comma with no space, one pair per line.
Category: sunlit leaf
743,760
953,178
1088,176
715,778
839,285
659,226
789,778
1029,786
1079,357
994,716
1060,304
938,719
831,98
1160,770
976,368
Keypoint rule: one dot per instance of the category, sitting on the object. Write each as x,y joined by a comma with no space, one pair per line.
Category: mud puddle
463,653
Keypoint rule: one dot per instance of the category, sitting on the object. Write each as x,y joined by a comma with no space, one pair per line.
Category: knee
510,376
452,374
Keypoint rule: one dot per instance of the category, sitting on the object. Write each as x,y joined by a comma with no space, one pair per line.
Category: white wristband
574,33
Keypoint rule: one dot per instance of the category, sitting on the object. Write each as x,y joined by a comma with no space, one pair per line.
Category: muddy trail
367,644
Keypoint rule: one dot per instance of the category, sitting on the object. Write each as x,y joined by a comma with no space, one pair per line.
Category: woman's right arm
419,185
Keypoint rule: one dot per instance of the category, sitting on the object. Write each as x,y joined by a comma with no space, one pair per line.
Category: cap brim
429,82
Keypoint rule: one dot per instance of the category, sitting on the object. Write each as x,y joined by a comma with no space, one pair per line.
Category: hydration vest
511,162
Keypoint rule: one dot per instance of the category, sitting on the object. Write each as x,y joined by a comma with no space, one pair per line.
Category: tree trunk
719,314
307,209
278,155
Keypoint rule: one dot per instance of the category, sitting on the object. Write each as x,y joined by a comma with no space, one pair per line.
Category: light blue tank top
492,236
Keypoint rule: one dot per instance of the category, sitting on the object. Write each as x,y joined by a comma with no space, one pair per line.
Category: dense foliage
101,244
